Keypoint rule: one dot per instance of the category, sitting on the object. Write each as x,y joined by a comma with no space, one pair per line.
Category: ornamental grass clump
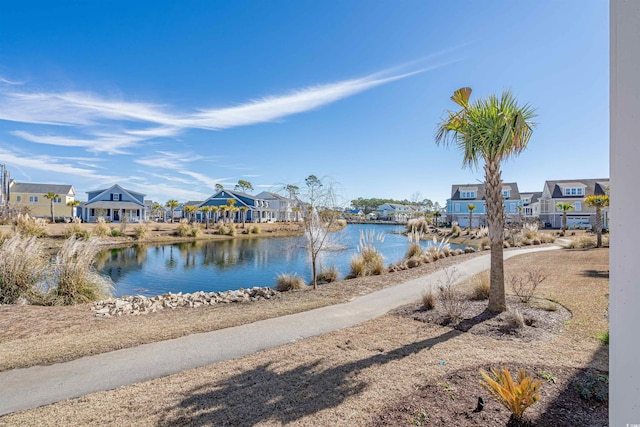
418,224
453,301
414,250
141,231
481,285
101,230
22,265
289,282
328,274
76,230
74,279
28,226
515,396
369,261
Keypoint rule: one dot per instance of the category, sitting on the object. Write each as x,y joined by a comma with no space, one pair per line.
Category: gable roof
596,187
115,186
533,195
33,188
514,193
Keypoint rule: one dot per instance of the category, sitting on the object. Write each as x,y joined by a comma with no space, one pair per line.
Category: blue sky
169,98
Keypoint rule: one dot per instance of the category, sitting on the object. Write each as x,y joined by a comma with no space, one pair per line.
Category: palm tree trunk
53,220
495,220
599,225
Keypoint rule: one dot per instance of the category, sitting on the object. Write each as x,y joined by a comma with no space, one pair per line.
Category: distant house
572,191
258,209
29,198
114,204
395,212
531,204
474,194
284,207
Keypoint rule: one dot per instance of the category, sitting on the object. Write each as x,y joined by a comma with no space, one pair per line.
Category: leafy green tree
172,204
598,202
219,187
52,197
244,186
564,207
493,130
72,204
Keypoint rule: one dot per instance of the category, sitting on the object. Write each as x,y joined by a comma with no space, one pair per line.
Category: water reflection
229,264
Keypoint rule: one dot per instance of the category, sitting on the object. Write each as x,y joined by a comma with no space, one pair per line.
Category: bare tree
319,218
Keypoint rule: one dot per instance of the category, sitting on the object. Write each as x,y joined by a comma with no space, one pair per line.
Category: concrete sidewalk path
28,388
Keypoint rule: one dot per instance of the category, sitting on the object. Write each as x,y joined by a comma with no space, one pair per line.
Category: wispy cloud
102,120
51,164
180,164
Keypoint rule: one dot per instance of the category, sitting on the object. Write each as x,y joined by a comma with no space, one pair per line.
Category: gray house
114,204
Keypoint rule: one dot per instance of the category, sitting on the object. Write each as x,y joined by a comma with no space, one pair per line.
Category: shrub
419,225
481,285
22,265
328,274
482,232
141,231
123,224
515,396
525,287
546,238
289,282
515,319
227,230
183,229
116,233
454,302
254,229
455,229
593,387
76,280
485,243
413,262
28,226
603,337
428,299
76,230
101,229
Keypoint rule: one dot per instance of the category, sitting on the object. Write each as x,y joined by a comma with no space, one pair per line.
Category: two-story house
573,192
258,208
462,196
395,212
531,204
114,204
286,209
29,198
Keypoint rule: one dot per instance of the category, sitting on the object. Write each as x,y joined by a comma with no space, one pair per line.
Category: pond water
214,266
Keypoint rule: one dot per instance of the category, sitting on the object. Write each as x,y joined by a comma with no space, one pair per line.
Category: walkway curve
29,388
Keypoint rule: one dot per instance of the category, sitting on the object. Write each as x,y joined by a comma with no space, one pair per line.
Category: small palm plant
205,210
471,208
515,396
172,204
72,204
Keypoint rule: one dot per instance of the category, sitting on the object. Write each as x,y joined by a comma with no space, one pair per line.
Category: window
18,198
506,193
116,197
577,206
573,191
456,207
579,191
467,194
512,207
58,200
33,199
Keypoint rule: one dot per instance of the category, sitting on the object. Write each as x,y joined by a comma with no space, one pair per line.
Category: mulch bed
543,319
453,401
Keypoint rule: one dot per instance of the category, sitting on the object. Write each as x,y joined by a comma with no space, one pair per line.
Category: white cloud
51,164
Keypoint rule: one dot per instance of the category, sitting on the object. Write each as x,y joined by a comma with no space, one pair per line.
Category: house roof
108,204
514,193
33,188
115,186
533,195
596,187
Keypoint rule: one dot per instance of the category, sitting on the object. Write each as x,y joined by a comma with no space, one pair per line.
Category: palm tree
205,210
72,204
215,210
52,197
436,215
598,202
471,208
230,205
189,211
172,204
156,209
564,207
492,129
244,210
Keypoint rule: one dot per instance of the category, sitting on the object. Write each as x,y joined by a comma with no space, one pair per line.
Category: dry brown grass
348,377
